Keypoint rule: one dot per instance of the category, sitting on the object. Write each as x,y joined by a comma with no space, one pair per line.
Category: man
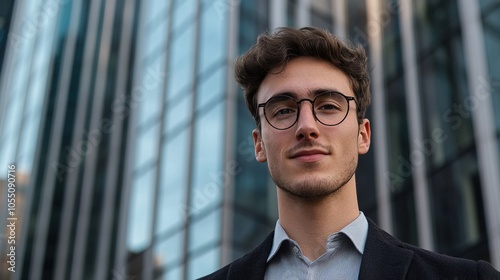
308,93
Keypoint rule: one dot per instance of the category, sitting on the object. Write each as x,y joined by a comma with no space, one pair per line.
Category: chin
310,188
311,194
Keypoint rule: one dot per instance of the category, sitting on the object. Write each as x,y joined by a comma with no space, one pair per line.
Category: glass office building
132,143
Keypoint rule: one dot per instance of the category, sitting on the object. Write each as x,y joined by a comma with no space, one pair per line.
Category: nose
307,125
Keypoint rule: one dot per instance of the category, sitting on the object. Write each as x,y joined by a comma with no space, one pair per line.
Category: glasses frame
347,98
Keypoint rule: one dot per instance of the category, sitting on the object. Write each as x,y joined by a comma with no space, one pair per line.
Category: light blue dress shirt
342,259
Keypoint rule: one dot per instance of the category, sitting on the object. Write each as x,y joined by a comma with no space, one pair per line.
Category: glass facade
490,11
132,144
451,162
401,175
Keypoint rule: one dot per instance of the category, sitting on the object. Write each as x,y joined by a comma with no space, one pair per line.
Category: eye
330,103
329,106
281,107
284,111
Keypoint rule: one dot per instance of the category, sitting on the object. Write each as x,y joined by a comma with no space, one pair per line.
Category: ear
364,137
260,151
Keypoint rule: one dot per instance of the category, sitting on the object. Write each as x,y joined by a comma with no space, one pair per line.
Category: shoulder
250,266
430,264
418,263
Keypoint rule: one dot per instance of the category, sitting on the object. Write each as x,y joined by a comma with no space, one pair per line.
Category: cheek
346,141
275,144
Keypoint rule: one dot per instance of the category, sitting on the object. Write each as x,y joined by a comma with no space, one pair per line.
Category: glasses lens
281,111
331,108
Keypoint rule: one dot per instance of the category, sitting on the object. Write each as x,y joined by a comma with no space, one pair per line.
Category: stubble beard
315,188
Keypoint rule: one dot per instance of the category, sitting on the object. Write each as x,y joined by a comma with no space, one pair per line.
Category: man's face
309,159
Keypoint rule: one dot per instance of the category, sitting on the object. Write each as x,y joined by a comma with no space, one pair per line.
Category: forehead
303,77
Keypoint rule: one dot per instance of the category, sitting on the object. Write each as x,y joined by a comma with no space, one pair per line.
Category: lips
310,155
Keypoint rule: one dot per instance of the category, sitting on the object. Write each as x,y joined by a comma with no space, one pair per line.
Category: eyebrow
311,93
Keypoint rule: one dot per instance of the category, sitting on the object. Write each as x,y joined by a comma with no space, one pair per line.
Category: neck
310,221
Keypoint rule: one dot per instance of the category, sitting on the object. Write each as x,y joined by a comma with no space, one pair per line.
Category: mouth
312,155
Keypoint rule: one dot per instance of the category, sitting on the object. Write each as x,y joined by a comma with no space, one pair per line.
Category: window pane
491,24
173,182
213,35
456,204
146,148
204,264
209,173
141,202
447,113
205,231
168,249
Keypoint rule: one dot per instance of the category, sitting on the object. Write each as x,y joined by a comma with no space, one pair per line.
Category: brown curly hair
273,50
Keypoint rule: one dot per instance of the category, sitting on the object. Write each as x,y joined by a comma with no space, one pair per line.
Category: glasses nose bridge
305,99
299,102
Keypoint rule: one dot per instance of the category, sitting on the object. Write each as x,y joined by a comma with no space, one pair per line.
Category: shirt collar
280,236
357,231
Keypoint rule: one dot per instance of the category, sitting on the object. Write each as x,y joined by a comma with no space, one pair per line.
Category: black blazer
384,257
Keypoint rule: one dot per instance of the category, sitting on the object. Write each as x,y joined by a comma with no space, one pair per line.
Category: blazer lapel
384,257
253,265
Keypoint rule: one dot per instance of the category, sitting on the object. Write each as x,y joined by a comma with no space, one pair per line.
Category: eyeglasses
329,108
